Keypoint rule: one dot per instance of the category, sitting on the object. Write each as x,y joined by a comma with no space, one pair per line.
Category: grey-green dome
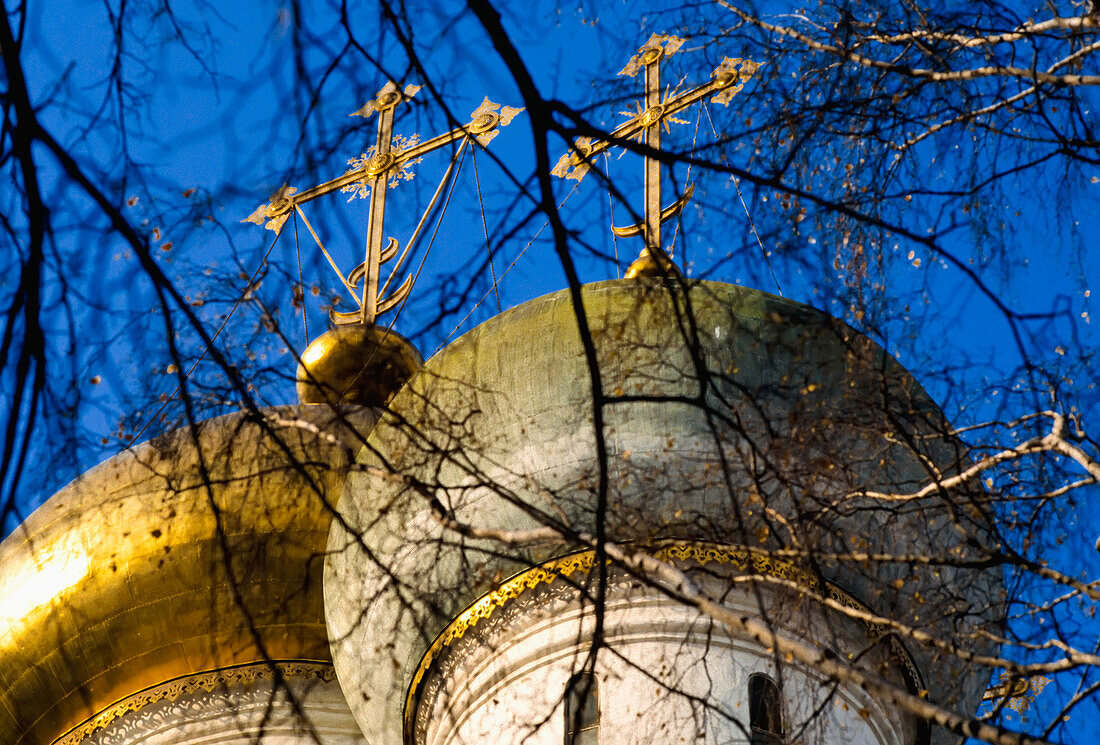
730,416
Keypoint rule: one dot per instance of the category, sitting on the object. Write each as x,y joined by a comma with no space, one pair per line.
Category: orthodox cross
1020,692
726,81
386,164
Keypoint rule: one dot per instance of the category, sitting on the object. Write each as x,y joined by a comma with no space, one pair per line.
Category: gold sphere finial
652,263
358,364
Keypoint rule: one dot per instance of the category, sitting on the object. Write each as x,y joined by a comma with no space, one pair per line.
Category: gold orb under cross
652,264
358,363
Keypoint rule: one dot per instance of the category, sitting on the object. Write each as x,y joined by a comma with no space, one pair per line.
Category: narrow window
582,710
765,717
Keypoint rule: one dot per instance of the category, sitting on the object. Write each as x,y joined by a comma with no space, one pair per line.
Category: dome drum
666,672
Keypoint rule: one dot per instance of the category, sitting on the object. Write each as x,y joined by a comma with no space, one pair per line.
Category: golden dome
182,555
359,364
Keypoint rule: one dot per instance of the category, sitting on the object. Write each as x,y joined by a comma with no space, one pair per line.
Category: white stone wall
668,676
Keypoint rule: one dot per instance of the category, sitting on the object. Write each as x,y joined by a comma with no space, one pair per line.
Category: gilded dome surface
194,552
727,413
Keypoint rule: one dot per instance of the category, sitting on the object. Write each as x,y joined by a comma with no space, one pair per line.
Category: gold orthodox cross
1020,692
726,81
386,164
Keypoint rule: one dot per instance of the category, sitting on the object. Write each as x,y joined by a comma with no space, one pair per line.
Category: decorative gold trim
209,681
698,552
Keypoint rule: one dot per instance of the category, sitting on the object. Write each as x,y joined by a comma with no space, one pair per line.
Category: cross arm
726,81
485,123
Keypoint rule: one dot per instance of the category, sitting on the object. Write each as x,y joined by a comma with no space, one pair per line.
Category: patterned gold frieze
240,676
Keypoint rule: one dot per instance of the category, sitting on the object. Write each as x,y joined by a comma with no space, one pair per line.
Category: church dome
730,417
186,566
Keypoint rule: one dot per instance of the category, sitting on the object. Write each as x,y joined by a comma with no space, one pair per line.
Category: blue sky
214,125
